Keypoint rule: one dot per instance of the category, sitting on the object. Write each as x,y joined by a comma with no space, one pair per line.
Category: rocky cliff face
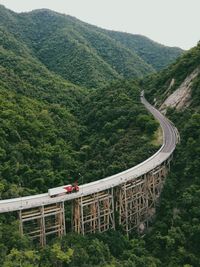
181,97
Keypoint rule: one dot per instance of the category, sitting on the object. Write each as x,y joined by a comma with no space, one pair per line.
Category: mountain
84,54
45,144
23,73
113,115
51,130
179,82
174,238
154,54
77,121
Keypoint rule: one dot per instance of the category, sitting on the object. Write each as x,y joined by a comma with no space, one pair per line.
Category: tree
59,256
16,258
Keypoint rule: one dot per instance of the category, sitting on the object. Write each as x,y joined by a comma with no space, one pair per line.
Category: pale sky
170,22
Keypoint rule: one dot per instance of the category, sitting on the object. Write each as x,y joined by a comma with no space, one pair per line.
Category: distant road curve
170,139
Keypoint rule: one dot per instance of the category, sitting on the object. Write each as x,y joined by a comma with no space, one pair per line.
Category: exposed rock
181,97
171,84
166,92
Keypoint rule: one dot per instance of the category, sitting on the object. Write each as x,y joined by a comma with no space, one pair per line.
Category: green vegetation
115,118
174,238
110,249
26,75
84,54
159,83
51,130
44,145
175,235
155,54
37,145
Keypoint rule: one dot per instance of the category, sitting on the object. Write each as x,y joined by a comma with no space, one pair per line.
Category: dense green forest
24,74
159,84
173,239
155,54
44,144
52,130
120,132
52,127
84,54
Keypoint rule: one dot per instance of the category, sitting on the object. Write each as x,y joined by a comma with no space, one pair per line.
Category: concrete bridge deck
170,138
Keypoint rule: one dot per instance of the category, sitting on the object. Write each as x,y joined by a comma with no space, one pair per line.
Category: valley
70,110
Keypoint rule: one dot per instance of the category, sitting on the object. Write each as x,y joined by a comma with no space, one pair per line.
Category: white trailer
61,190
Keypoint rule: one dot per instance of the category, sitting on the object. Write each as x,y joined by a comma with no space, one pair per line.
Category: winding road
170,139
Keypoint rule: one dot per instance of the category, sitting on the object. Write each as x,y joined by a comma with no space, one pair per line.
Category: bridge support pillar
155,180
136,199
94,213
132,204
41,222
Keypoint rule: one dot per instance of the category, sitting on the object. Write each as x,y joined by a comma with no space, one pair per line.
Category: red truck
62,190
71,188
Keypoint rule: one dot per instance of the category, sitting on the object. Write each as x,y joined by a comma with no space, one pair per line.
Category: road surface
170,138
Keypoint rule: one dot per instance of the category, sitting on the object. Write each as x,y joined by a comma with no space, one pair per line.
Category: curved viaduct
127,198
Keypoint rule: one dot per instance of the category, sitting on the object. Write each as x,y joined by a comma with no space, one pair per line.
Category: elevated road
170,138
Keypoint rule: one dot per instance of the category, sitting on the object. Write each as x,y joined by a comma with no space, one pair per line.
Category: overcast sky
170,22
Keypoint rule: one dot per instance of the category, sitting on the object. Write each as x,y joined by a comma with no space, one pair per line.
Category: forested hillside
84,54
52,130
50,143
44,145
119,130
155,54
23,73
175,235
166,82
55,125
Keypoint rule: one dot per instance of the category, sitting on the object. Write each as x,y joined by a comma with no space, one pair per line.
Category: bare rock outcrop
181,97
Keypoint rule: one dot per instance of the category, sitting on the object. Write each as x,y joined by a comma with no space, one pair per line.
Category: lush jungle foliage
51,130
159,85
24,74
37,144
156,55
44,145
175,235
115,118
82,53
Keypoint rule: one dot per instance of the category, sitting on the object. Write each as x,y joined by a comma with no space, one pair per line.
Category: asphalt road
170,138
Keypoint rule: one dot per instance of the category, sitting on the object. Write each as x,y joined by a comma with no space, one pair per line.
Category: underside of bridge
94,213
41,222
130,205
137,199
